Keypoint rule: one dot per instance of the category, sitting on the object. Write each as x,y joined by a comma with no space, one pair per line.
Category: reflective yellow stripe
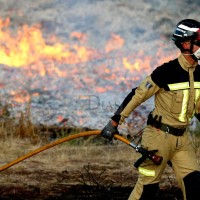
197,85
146,172
185,87
179,86
182,116
197,95
182,86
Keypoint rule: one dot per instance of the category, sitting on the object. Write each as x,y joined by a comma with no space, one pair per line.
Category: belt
166,128
171,130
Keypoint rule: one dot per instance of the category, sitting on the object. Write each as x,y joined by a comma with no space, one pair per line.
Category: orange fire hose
59,141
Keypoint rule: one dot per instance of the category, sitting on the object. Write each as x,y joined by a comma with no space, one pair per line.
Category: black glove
109,130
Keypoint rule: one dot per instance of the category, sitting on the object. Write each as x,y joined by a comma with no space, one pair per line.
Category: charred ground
76,171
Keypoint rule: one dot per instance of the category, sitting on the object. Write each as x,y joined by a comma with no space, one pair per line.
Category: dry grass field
85,168
61,170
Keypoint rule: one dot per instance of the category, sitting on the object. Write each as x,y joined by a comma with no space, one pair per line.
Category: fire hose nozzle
156,159
147,154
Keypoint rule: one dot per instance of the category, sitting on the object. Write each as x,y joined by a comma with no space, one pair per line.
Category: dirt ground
77,172
65,185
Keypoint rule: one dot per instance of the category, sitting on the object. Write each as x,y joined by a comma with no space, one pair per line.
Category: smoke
91,96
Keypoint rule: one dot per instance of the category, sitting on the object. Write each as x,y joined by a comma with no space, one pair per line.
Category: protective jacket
172,85
176,88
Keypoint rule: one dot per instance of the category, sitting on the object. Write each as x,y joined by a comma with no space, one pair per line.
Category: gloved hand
109,130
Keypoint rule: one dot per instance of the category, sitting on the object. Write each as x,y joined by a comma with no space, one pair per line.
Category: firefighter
176,87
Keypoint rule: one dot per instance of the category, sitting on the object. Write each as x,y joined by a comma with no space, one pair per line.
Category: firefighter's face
195,49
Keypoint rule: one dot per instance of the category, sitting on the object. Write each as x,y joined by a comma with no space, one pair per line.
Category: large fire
28,46
28,49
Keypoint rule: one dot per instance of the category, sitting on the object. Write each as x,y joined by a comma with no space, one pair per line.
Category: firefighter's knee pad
192,185
150,191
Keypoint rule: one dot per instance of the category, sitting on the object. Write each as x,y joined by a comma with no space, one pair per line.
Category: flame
134,66
27,47
115,42
21,97
140,63
80,36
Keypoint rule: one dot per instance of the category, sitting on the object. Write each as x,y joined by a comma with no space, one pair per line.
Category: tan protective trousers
178,149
